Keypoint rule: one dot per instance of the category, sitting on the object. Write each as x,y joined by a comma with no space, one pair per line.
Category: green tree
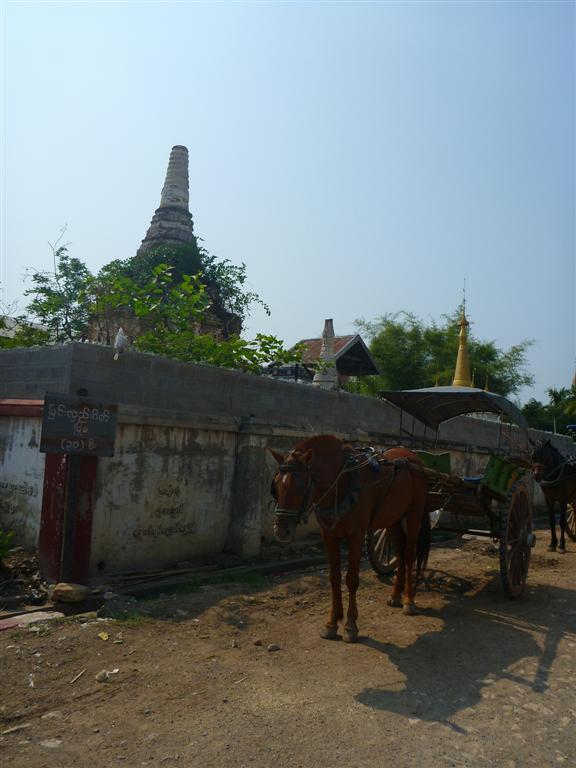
24,333
411,354
183,259
225,282
59,310
556,414
169,315
62,299
168,304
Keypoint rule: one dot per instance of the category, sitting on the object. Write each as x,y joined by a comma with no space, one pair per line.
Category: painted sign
78,426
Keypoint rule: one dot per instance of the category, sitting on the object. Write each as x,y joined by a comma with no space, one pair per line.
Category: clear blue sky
360,158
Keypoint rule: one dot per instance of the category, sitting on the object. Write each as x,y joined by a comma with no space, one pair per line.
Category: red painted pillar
66,521
52,516
77,539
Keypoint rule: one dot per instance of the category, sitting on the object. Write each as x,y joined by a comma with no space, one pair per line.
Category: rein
559,469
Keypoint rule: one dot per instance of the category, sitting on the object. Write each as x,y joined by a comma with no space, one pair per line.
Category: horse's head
545,459
292,488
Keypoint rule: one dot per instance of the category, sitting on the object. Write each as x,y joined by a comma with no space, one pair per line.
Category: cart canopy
434,405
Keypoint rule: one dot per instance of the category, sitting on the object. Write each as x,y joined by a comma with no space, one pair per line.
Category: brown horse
556,476
350,491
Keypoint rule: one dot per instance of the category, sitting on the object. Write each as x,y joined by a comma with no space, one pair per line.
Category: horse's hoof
350,635
409,609
562,549
394,602
552,548
329,633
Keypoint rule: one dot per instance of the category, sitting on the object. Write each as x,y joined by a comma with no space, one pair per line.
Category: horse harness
329,518
556,475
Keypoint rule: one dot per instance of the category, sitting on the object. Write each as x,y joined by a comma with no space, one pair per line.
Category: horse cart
496,504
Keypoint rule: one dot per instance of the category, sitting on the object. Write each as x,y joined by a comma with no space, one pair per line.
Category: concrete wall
158,383
21,478
191,473
164,497
30,373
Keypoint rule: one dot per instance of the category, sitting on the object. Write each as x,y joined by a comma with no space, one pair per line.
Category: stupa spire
462,376
175,189
172,221
327,376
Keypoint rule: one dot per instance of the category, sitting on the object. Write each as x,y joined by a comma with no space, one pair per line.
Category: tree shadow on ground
485,639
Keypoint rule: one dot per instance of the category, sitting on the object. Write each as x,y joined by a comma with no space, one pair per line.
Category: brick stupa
172,221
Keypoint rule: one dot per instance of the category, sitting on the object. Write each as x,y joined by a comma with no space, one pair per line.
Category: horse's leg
332,544
562,545
399,539
413,529
355,545
553,538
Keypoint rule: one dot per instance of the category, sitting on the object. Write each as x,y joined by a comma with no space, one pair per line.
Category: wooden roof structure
352,356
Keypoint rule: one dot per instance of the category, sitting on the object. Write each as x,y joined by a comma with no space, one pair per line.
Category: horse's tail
423,545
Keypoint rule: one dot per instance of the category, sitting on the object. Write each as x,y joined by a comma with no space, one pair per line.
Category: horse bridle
302,514
558,469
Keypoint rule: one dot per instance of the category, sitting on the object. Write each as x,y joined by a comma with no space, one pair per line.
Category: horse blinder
305,487
547,463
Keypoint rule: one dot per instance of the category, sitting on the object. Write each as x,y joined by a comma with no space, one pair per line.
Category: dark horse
556,476
351,490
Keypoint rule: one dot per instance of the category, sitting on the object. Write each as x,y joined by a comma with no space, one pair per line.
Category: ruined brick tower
171,225
172,221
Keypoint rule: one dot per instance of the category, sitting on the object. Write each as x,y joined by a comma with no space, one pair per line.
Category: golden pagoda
462,376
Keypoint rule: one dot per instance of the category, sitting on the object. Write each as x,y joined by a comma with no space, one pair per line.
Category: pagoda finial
462,376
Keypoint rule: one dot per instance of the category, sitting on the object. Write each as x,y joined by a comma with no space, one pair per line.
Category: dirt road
473,680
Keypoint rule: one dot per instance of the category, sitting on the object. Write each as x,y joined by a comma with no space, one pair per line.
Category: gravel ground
235,674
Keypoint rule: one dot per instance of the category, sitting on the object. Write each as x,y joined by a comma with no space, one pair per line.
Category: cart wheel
571,519
381,551
516,539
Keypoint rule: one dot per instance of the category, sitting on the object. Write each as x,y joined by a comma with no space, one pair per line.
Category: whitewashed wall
21,478
184,485
164,497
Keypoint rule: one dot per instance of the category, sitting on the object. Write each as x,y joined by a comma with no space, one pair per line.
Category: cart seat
440,462
500,474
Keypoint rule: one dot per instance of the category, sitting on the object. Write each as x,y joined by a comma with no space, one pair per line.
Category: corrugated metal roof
434,405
